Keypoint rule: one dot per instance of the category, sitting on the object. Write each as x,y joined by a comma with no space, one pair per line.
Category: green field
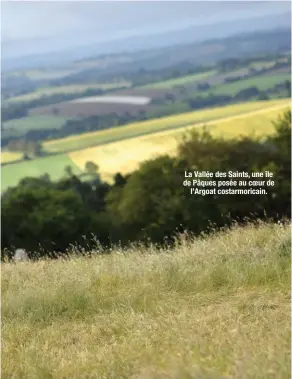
47,91
188,79
53,165
261,82
216,307
156,125
20,126
46,74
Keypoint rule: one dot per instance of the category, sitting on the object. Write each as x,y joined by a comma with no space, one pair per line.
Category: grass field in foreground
187,79
151,126
218,307
125,156
47,91
53,165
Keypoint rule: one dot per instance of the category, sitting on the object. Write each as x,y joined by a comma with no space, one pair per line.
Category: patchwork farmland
153,126
125,156
116,149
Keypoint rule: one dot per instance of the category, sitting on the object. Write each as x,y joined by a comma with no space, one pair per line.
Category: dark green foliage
151,203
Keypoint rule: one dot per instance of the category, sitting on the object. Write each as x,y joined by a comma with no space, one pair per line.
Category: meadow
125,156
53,165
213,307
123,148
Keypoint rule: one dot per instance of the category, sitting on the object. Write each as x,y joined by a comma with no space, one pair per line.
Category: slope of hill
215,307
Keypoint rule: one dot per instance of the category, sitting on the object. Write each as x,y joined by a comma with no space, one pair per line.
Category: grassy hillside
217,307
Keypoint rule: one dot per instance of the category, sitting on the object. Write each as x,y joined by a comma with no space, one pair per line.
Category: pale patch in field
135,100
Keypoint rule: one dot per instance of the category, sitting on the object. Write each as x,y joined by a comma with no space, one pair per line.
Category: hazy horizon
23,20
42,27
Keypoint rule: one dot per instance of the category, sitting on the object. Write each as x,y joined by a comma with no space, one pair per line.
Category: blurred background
105,104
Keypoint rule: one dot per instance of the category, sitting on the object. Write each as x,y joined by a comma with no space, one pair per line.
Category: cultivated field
47,91
9,156
18,127
45,74
184,80
217,307
88,107
125,156
156,125
140,141
263,82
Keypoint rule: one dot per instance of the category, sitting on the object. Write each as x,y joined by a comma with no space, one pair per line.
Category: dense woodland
151,204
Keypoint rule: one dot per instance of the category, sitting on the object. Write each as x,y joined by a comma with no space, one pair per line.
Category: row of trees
27,147
151,203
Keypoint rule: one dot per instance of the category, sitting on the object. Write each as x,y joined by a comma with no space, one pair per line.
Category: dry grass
125,156
215,307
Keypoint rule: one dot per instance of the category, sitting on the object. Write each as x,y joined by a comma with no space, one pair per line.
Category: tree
91,168
35,216
69,171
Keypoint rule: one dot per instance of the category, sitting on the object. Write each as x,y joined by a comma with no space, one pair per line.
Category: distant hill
57,52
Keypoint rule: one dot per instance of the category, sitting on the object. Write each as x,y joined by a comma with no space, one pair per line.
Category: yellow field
151,126
8,156
126,155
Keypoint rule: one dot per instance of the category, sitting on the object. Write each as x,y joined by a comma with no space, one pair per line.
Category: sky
106,20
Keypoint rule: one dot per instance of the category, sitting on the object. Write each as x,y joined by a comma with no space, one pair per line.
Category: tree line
150,204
